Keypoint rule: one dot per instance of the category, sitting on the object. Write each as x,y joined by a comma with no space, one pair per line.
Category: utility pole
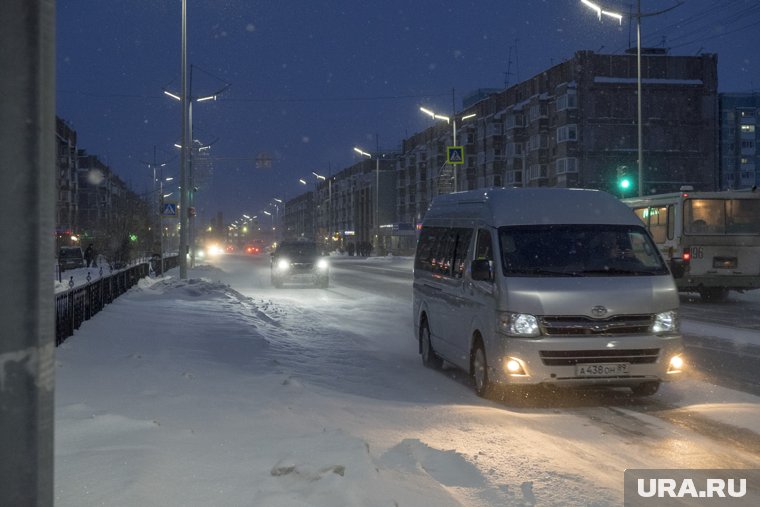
183,177
27,210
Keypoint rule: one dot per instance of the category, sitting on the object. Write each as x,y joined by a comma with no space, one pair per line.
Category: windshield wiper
542,271
618,271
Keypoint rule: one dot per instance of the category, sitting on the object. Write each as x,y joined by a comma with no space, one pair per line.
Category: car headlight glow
519,324
666,322
283,264
322,264
676,364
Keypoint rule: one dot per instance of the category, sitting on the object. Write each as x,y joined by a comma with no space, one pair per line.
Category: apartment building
575,125
739,137
67,183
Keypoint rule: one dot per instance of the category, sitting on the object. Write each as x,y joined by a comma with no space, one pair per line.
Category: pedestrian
89,255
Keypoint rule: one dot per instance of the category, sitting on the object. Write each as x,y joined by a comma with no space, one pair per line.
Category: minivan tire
429,358
483,386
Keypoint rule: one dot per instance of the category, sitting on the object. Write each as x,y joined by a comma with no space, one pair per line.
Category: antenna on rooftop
509,72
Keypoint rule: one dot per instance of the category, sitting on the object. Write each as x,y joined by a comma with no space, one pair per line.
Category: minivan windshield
579,250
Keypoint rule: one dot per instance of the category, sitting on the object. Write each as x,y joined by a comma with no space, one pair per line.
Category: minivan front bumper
599,360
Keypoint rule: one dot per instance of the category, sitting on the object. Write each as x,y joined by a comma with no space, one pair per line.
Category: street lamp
186,147
329,200
376,239
453,122
276,204
619,17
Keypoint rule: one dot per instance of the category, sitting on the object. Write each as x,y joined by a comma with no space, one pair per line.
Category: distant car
229,249
70,257
294,261
252,249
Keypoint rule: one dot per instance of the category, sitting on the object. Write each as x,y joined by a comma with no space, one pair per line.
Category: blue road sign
169,209
455,154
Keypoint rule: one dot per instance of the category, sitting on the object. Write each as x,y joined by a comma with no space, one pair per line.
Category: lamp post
161,216
376,239
276,204
187,210
453,122
183,153
329,201
314,207
619,17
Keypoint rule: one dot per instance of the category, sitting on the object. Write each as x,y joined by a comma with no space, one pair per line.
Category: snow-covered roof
633,80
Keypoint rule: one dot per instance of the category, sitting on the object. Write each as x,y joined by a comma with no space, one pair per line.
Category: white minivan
549,286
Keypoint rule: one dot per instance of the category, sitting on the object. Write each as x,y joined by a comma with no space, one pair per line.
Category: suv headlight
519,324
666,322
283,264
322,264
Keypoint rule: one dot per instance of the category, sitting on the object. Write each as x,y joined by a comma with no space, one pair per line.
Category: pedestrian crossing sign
455,154
169,209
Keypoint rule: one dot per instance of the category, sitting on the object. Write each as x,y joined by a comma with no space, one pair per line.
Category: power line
262,100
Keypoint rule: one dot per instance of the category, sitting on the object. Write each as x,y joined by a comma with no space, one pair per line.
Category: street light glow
204,99
428,112
361,152
599,11
467,117
170,94
319,176
302,181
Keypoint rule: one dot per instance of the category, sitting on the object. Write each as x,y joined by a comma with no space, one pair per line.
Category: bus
710,239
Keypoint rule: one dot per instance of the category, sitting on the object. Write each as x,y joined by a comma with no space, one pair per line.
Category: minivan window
579,250
442,250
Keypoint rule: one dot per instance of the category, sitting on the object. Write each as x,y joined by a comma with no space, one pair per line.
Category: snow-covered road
222,390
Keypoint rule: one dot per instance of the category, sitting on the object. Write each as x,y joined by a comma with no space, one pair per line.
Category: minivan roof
531,206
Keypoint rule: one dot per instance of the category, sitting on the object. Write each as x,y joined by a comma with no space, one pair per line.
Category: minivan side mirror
480,270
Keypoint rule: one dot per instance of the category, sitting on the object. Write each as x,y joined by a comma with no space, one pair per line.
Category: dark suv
70,257
299,261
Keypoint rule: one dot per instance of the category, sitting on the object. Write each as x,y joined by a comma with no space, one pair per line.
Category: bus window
704,216
643,214
743,216
658,224
671,221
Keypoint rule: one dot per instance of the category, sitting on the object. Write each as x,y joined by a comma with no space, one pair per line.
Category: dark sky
310,79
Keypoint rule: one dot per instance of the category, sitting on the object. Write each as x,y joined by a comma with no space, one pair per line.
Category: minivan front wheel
429,358
483,385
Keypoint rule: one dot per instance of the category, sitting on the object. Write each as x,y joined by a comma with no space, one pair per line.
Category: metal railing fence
79,304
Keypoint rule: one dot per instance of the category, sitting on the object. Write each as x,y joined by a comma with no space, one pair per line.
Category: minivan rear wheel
483,386
429,358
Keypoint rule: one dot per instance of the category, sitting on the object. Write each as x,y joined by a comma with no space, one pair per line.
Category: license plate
601,369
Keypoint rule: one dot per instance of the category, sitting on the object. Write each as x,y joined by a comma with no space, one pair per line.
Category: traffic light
624,179
624,183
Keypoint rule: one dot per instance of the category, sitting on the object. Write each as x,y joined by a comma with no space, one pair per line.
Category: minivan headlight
519,324
283,264
666,322
322,264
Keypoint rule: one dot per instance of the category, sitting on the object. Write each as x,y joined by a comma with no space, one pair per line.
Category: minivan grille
571,357
581,325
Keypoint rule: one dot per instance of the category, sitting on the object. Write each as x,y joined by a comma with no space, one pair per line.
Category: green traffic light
133,237
625,183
